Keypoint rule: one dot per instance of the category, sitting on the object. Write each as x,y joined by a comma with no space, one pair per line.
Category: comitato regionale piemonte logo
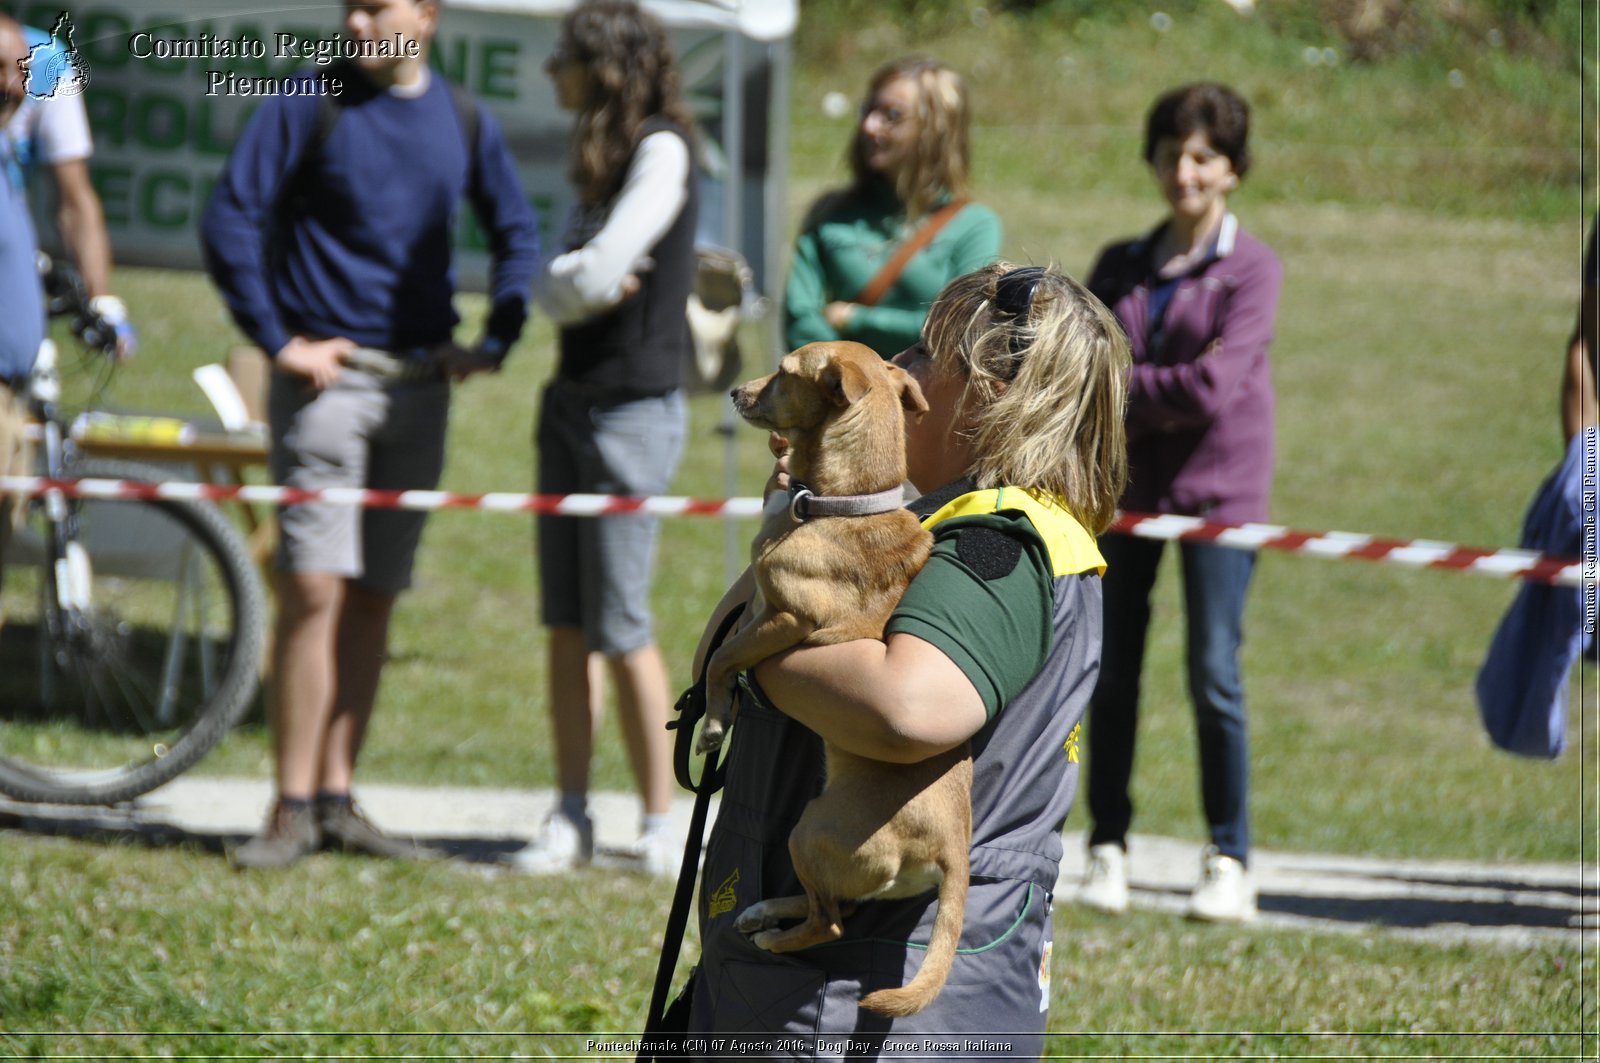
55,67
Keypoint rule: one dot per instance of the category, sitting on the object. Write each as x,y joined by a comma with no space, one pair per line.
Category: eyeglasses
889,116
1013,297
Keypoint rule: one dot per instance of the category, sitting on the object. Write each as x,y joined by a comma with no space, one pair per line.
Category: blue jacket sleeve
239,218
512,229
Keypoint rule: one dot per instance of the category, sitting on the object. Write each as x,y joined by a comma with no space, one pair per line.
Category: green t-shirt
986,599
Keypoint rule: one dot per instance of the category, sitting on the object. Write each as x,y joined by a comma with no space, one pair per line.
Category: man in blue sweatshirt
21,303
328,236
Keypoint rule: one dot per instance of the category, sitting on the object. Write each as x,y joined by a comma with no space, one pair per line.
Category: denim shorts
357,433
595,572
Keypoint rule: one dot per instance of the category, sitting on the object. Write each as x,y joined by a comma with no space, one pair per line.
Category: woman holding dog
613,420
1197,297
995,643
871,257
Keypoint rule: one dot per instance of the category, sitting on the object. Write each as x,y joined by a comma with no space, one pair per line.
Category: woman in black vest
613,420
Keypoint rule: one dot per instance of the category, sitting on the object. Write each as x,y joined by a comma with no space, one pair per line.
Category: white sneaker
1105,884
561,846
1226,893
659,854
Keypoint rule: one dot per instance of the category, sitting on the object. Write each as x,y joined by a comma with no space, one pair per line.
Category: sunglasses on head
1013,298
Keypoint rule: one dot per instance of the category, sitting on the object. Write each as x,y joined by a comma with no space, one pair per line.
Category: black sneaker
290,833
346,830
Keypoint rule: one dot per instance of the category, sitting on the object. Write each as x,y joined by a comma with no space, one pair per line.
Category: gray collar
803,504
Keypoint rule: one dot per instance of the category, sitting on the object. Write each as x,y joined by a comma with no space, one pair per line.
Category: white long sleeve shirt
581,283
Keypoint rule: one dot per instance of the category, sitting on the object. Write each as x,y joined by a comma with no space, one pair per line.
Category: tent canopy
760,20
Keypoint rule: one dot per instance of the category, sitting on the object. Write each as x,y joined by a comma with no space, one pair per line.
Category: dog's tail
930,977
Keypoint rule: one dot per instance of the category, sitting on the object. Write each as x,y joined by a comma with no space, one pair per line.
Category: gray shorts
357,433
595,572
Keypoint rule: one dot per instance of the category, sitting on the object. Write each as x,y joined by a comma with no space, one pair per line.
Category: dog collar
804,504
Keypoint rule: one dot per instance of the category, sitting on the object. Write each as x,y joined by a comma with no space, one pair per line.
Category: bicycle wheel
146,661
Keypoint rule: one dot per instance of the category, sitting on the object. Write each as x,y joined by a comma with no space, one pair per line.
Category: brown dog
879,831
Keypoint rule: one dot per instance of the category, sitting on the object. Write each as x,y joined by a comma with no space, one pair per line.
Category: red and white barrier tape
502,502
1413,553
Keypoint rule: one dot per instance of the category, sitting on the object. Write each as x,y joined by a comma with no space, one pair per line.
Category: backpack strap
331,107
470,119
296,188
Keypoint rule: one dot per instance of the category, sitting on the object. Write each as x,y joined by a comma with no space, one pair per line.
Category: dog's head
820,382
842,409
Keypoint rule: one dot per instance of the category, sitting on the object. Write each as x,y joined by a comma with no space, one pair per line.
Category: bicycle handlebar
65,296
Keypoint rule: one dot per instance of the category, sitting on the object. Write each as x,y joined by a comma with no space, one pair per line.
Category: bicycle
131,632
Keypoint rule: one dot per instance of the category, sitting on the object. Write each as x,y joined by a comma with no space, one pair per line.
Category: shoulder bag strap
884,279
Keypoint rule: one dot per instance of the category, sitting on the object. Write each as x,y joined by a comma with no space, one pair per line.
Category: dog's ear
843,382
911,396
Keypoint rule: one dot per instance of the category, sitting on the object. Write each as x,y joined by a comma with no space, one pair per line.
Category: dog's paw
755,919
710,739
765,939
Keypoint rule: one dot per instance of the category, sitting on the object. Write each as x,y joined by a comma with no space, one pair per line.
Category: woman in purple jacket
1197,297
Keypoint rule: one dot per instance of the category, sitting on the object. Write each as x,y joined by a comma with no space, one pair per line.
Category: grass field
1431,237
121,951
1387,428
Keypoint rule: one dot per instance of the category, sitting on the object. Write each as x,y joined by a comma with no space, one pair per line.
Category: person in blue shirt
328,237
1522,683
21,302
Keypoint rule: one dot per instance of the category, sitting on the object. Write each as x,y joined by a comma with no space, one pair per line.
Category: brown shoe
290,833
345,829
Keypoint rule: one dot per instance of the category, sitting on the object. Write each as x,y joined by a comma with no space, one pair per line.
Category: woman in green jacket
849,278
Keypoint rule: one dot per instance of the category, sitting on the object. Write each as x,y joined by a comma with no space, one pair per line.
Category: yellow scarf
1072,549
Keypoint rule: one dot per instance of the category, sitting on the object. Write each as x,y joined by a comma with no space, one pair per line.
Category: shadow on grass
1508,883
130,826
1397,900
1413,913
1342,897
1410,898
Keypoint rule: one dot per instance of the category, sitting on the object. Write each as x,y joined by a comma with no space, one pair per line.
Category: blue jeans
1215,581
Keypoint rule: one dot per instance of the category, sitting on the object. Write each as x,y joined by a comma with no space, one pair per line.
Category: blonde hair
1046,391
940,161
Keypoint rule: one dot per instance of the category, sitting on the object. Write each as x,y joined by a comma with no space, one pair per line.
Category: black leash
659,1025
